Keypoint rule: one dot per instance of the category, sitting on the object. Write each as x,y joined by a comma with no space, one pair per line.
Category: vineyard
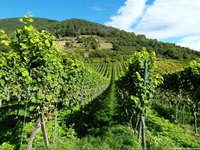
51,99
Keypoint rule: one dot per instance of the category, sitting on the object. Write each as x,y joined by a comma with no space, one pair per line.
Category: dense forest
124,43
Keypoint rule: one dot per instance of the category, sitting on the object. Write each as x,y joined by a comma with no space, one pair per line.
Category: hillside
123,43
11,24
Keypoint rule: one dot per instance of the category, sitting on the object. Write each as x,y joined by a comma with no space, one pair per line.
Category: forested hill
121,40
124,42
11,24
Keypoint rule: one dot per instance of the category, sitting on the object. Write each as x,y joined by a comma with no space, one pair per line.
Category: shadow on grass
164,111
11,123
95,118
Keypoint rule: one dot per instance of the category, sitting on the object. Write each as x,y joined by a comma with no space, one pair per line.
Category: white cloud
170,18
162,20
192,42
127,14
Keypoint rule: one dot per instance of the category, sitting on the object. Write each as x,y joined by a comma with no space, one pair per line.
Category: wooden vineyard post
44,131
143,114
143,132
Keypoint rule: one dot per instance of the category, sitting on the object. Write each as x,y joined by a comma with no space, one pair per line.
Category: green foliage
38,140
106,54
157,142
116,47
115,137
41,74
4,48
89,42
6,146
127,50
67,44
136,88
138,91
185,82
63,143
171,134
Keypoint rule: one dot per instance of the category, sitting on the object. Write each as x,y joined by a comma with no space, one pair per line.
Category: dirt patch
104,44
188,130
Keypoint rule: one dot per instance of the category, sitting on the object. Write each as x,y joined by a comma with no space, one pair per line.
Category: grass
160,127
99,125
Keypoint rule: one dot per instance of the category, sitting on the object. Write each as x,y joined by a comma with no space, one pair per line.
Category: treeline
75,27
125,42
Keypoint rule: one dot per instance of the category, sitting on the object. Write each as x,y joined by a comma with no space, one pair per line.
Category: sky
174,21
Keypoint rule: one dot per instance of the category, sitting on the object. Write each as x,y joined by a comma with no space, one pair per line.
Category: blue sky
93,10
174,21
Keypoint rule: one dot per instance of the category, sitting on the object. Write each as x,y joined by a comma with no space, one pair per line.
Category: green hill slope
11,24
120,42
126,43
